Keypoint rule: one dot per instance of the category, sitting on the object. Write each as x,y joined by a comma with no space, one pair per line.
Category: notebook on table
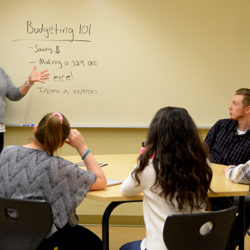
111,182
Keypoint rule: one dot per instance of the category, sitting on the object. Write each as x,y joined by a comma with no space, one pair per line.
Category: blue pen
27,125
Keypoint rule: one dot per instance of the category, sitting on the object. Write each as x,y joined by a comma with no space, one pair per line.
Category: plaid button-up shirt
239,174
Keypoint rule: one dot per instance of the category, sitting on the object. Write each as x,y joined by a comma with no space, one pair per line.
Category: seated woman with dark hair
173,174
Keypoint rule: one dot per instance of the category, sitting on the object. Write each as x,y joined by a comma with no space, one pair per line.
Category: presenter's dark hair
52,132
179,159
246,95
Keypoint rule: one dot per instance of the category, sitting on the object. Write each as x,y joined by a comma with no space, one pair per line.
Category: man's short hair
246,93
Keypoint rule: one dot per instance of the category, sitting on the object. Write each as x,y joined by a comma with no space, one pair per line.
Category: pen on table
81,163
103,164
27,125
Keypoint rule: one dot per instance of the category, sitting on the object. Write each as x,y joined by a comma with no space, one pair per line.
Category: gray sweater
9,90
32,174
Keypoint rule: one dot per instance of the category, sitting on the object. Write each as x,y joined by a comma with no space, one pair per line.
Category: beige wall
100,141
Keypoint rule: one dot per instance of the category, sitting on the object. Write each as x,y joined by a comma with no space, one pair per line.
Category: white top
2,128
241,132
155,208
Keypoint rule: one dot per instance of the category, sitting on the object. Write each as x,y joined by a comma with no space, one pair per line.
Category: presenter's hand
36,76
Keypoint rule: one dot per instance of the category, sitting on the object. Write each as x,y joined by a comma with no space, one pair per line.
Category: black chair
199,231
23,223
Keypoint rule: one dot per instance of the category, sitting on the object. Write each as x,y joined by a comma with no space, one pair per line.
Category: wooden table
119,167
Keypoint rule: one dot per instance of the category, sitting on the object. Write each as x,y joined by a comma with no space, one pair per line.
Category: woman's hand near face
77,141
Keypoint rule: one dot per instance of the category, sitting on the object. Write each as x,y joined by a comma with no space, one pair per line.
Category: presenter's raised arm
35,76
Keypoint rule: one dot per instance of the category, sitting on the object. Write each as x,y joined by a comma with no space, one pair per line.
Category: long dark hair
180,158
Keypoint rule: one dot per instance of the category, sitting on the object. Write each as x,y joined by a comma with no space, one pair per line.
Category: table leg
241,222
105,221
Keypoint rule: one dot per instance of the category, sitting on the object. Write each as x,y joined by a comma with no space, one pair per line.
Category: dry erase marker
27,125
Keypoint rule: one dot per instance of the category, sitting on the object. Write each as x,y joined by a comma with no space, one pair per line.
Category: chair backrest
23,223
199,231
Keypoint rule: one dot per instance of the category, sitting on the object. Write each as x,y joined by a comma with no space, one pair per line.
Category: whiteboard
114,63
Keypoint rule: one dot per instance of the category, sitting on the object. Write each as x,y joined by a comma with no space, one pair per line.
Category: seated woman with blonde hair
33,172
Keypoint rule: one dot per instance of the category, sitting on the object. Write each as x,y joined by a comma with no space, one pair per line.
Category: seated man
229,144
241,174
238,174
229,139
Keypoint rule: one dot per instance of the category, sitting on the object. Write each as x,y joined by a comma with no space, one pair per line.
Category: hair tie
59,115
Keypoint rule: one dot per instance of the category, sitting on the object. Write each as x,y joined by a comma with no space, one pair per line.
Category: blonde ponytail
52,131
